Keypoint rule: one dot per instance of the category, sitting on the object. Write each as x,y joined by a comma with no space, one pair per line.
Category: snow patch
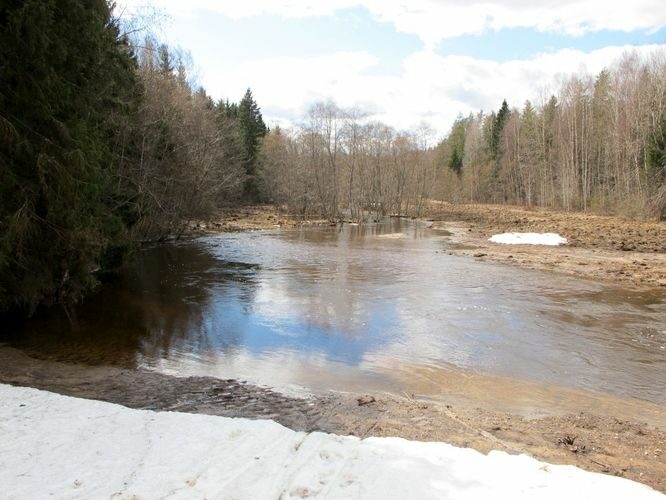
550,239
63,447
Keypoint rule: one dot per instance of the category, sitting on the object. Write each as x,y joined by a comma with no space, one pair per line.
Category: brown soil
251,218
597,443
600,247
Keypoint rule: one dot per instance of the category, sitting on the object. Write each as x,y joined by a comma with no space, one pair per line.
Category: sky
404,62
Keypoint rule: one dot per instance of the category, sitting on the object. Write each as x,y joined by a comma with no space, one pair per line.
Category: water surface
360,307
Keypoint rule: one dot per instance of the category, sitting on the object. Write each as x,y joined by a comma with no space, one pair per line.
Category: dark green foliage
456,161
165,64
489,133
66,81
498,126
657,155
228,110
657,170
252,129
456,143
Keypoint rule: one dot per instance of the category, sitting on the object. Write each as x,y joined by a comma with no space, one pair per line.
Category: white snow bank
550,239
63,447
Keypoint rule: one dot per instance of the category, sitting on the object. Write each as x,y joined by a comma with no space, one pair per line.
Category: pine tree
165,65
488,129
500,120
657,156
66,76
456,143
227,109
252,130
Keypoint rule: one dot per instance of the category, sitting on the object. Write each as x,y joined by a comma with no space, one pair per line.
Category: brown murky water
352,308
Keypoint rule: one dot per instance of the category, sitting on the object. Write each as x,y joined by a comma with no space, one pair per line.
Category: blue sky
403,62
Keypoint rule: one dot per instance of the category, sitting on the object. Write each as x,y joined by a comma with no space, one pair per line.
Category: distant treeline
103,143
599,144
340,160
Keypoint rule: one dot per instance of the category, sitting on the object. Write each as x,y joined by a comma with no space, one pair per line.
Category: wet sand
629,448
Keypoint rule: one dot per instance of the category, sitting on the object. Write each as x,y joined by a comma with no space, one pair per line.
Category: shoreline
92,449
612,439
602,248
602,443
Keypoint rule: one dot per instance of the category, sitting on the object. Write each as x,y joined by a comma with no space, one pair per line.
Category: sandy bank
625,447
67,447
599,247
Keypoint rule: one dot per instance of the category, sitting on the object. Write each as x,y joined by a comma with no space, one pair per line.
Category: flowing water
378,306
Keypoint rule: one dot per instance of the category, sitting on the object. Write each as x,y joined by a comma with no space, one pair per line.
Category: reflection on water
347,307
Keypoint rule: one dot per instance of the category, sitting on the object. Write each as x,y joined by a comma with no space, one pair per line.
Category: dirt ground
251,218
597,443
600,247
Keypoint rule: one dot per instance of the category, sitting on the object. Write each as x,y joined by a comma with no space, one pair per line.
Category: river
353,308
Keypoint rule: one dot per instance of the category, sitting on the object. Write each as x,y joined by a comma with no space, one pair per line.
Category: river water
368,307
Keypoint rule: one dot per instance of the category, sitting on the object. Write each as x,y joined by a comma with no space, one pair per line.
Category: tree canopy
61,93
103,144
252,130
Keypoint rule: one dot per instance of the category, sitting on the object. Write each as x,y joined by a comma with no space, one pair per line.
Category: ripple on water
320,307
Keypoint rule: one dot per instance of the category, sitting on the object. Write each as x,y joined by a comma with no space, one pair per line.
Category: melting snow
551,239
62,447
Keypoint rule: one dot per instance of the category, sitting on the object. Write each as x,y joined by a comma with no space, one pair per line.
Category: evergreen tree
601,153
227,109
488,130
252,130
456,143
165,64
530,159
66,77
657,170
500,120
657,156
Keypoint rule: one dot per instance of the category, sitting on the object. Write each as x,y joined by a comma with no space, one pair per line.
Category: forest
103,145
598,144
107,143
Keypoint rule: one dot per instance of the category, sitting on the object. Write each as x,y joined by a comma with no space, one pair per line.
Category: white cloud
435,20
287,85
431,87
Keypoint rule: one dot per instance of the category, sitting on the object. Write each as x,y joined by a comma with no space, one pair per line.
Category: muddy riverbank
627,448
605,248
251,218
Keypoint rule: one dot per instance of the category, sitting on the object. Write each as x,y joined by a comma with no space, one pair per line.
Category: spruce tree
657,156
456,143
498,128
66,75
166,65
252,130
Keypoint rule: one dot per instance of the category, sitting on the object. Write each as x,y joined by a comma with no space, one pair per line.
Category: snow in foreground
65,447
550,239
